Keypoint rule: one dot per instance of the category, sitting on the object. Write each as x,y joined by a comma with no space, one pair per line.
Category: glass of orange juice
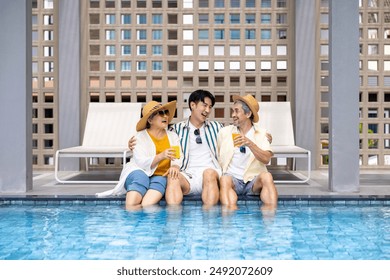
177,151
234,135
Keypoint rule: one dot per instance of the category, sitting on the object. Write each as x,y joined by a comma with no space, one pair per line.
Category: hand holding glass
177,151
234,135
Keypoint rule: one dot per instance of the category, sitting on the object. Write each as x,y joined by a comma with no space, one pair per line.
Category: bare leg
175,190
268,195
133,199
210,190
228,194
151,197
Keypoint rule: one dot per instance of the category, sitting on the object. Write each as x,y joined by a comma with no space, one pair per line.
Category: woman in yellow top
154,158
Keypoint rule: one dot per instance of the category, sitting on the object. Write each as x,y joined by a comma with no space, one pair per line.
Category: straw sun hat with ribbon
252,104
154,106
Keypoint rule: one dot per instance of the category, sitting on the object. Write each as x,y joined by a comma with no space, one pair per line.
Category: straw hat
154,106
252,104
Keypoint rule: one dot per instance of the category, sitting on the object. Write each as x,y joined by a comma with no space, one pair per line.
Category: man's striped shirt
211,130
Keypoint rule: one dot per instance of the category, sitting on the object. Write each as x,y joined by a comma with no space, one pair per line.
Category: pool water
294,232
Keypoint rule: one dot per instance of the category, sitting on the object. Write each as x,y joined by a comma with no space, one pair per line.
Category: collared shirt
226,150
239,161
211,132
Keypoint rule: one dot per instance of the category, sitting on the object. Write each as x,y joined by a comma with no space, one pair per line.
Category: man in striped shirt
200,171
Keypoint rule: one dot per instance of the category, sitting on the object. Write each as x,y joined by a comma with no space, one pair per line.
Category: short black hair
200,95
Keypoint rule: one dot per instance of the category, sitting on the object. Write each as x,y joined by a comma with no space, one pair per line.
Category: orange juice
177,151
234,135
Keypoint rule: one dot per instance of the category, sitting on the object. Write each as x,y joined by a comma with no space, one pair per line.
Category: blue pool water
83,231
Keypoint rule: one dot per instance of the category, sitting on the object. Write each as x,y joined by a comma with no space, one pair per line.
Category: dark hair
200,95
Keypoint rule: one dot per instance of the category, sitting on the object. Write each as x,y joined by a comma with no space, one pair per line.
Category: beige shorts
195,179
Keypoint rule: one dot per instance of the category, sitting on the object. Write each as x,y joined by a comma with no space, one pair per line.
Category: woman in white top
154,160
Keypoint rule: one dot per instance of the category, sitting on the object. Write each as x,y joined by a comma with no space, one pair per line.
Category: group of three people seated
198,156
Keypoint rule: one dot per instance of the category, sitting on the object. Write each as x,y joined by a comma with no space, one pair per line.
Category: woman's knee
133,198
137,177
151,197
158,183
137,181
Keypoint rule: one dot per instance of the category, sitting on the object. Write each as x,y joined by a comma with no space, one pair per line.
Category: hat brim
253,110
171,106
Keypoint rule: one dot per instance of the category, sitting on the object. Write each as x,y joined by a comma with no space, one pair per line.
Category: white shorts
195,179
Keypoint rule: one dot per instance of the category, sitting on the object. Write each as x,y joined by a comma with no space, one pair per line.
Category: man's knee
266,179
210,179
226,182
210,174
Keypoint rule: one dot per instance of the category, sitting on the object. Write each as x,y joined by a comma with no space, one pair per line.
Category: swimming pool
93,230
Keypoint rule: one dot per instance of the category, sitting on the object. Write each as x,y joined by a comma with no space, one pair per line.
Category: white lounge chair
276,118
107,131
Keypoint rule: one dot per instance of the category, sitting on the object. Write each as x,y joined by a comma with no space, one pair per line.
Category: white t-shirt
199,154
240,160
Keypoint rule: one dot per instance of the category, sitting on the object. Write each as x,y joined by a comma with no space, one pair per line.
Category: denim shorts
240,187
140,182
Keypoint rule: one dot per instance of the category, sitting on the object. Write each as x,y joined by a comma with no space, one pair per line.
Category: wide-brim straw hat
154,106
252,104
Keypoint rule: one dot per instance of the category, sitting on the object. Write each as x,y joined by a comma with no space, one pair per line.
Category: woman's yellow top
161,145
